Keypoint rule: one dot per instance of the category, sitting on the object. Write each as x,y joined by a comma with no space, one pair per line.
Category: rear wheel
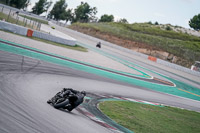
61,104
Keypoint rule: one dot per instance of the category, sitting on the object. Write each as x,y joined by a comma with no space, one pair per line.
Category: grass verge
76,47
143,118
34,19
12,20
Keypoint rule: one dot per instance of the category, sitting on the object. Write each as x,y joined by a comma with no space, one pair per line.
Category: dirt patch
135,46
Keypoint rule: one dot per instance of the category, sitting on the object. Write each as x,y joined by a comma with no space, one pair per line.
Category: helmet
83,92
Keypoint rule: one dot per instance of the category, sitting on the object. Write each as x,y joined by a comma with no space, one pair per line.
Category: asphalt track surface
154,80
27,83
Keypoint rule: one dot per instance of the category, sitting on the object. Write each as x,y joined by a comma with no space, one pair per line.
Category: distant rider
98,45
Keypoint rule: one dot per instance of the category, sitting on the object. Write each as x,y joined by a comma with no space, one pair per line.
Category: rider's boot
49,101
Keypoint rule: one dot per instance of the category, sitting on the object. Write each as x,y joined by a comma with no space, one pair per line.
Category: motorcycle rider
75,98
60,95
98,45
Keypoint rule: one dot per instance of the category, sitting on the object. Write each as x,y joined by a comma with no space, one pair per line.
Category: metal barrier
53,38
27,32
13,28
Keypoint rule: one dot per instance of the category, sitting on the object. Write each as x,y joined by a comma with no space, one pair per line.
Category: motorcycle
59,102
98,45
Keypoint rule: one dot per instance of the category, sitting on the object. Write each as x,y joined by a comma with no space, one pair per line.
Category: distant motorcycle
98,45
67,99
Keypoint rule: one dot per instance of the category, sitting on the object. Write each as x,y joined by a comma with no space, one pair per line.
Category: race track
29,79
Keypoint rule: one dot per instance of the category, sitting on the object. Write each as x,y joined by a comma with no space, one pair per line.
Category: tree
156,23
84,13
195,22
41,6
149,22
49,5
20,4
67,15
123,20
106,18
58,11
3,1
168,28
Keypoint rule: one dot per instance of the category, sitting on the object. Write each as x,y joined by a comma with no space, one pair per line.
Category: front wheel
61,104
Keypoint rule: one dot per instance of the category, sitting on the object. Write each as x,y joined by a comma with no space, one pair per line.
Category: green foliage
179,44
3,1
195,22
168,28
20,4
49,5
84,13
123,20
67,15
149,22
156,23
59,10
106,18
41,6
142,118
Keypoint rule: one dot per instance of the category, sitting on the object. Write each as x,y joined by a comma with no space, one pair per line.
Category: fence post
17,20
8,15
30,21
2,9
24,19
25,23
17,15
33,24
39,26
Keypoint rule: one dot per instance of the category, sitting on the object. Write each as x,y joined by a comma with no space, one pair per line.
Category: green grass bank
145,35
143,118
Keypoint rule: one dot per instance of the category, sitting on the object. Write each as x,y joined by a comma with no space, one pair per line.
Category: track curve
27,83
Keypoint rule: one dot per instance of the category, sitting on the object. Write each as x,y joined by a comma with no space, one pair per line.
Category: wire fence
16,17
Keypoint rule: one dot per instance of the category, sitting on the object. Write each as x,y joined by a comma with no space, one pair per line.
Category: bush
149,22
156,23
168,28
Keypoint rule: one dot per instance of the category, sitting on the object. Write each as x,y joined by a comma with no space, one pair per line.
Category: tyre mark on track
96,67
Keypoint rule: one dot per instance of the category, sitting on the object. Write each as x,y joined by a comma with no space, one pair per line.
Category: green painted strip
87,97
153,86
189,90
75,59
144,75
